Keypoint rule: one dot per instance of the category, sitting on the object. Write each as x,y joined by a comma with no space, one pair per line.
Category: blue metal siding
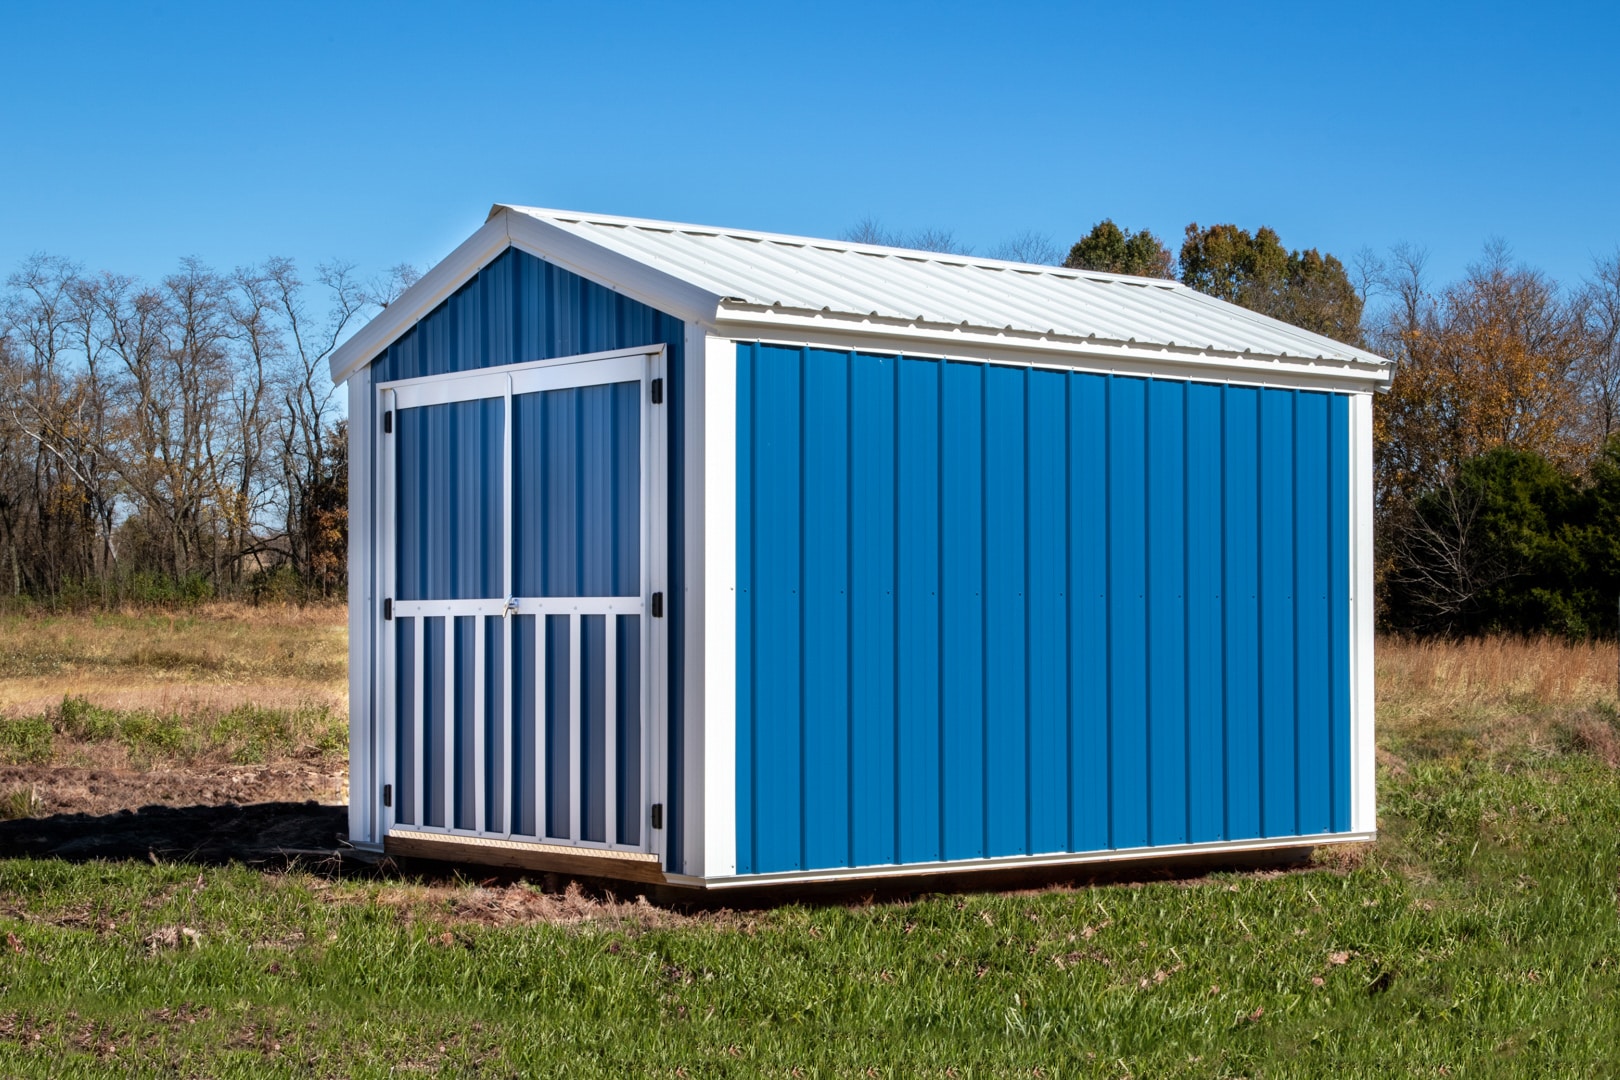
986,611
516,309
576,490
874,799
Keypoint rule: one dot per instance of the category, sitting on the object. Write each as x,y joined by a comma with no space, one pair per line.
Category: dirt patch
101,791
522,904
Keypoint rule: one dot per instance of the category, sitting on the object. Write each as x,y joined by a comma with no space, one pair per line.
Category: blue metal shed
723,558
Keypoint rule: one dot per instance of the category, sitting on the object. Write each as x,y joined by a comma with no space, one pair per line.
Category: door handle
511,607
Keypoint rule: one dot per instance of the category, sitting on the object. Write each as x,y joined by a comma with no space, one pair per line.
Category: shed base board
1168,854
546,858
1178,860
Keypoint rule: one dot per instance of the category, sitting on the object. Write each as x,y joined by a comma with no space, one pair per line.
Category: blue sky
134,134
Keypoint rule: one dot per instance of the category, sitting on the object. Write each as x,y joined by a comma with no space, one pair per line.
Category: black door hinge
658,605
388,422
658,815
388,794
388,610
658,391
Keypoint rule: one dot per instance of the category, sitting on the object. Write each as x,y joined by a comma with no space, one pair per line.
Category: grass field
1478,937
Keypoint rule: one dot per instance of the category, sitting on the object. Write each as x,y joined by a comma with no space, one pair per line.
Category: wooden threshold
548,858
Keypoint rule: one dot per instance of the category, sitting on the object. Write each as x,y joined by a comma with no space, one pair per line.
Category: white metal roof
764,282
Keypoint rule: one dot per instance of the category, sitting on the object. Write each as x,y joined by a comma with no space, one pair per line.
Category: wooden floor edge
546,859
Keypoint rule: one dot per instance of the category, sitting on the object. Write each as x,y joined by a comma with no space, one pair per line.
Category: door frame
644,364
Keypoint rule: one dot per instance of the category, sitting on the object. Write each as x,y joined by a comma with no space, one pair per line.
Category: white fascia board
431,290
1024,862
506,228
621,273
1004,347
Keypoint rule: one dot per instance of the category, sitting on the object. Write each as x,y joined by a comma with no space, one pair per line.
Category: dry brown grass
210,655
171,679
1494,694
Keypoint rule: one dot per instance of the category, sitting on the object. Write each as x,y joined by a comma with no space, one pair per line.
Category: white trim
1022,862
618,273
694,722
479,629
489,383
508,727
1363,747
575,757
639,366
541,749
524,843
431,290
655,555
1019,350
716,588
525,605
383,465
527,365
447,765
610,728
364,792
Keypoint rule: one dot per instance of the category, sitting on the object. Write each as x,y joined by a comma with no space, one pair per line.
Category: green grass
244,734
1478,937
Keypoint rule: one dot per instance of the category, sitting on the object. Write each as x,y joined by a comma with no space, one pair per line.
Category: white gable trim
431,290
506,229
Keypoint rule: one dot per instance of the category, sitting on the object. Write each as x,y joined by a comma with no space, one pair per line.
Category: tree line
178,439
1497,448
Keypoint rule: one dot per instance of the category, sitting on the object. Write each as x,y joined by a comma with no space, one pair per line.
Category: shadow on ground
256,833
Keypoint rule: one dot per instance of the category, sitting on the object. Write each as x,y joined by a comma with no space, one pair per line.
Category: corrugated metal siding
517,309
576,491
988,611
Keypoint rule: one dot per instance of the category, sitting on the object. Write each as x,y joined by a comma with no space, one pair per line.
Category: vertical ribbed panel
986,611
576,491
448,500
519,308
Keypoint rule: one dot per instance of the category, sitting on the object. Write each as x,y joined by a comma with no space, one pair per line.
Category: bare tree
869,230
1601,372
1029,246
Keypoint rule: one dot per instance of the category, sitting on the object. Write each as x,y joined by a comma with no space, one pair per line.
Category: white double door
522,635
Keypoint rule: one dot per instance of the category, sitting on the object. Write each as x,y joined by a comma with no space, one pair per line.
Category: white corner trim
1363,747
363,744
717,504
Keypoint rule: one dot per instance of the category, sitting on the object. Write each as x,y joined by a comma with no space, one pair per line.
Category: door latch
511,607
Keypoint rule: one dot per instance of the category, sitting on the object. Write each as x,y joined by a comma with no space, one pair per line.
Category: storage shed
719,558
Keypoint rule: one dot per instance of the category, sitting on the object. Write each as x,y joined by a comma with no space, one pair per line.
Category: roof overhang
1008,346
507,229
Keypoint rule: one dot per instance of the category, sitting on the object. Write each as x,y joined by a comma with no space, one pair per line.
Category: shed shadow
261,834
